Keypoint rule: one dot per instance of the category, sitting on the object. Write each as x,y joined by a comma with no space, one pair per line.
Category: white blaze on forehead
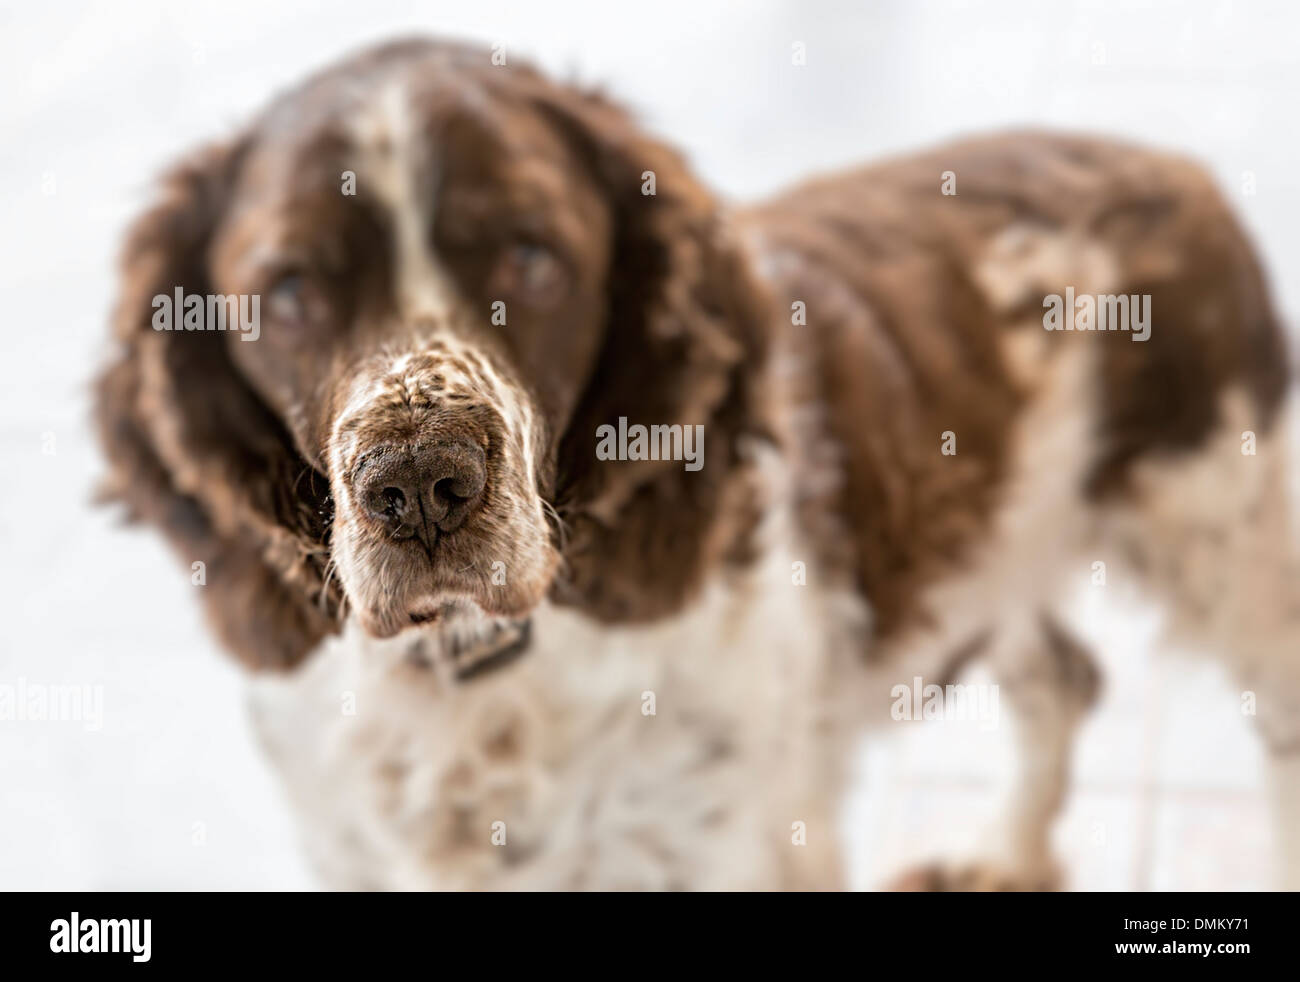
395,168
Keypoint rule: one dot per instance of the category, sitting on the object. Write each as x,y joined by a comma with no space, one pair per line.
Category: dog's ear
192,449
684,341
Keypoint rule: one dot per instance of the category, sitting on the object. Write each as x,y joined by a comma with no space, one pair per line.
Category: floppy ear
193,450
685,341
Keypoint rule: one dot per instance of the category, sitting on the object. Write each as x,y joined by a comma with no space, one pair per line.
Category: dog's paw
977,877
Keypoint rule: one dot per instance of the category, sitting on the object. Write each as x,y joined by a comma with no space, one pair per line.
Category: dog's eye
531,273
296,300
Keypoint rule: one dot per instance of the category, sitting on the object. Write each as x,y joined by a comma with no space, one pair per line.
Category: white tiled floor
1168,776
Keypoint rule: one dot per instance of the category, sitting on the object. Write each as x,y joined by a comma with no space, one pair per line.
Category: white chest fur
693,753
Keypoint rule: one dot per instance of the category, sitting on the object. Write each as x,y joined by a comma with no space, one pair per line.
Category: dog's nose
436,486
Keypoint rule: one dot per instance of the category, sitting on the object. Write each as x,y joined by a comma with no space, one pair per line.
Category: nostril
390,505
394,501
454,489
458,484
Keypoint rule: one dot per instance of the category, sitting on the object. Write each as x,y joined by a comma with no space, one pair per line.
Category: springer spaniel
587,520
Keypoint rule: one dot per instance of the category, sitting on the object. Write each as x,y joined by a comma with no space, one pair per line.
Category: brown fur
196,453
236,478
906,338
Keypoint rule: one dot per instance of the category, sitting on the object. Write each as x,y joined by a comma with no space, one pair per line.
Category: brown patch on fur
686,343
898,348
193,451
912,297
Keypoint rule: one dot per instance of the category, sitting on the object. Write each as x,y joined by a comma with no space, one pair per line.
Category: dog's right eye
295,299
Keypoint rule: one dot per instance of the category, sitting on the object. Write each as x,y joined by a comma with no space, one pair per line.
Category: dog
574,524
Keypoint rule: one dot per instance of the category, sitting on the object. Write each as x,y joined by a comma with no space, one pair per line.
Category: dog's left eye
531,273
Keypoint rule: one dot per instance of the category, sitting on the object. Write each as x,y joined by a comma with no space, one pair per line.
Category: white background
96,99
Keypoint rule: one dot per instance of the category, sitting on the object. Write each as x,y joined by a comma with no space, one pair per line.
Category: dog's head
454,272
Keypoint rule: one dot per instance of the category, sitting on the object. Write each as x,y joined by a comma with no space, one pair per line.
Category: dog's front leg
1048,680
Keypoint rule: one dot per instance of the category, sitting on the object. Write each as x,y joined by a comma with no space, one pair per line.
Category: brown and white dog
518,661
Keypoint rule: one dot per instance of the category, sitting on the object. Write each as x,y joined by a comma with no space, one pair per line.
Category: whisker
326,580
561,529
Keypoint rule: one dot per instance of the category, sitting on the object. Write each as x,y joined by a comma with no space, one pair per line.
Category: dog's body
904,470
